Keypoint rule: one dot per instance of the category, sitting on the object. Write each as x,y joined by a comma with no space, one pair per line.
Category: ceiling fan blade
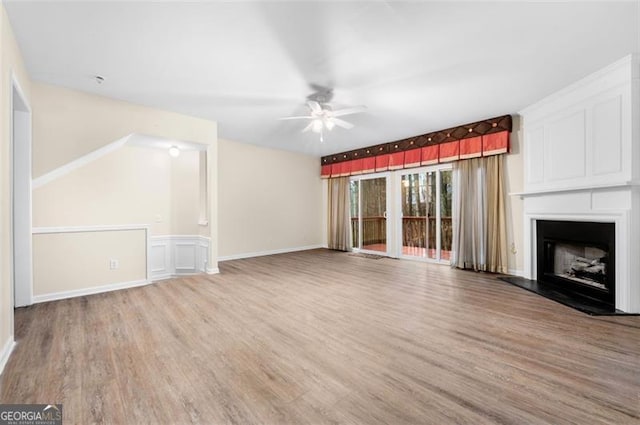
314,106
308,127
342,123
296,118
347,111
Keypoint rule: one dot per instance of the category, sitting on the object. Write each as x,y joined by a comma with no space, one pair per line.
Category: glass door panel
373,213
446,230
414,215
425,198
432,218
354,191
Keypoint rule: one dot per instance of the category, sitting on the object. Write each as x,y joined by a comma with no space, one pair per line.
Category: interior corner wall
514,173
269,200
68,124
132,185
11,64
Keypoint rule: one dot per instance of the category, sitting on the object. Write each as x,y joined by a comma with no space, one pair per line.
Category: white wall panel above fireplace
583,135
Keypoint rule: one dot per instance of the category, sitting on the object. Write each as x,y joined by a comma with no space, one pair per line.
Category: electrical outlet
158,218
114,264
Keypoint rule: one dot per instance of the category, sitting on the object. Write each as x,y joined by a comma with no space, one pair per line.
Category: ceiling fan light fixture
174,151
329,124
317,126
323,117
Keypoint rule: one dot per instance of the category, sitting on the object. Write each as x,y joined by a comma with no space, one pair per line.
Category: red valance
483,138
490,144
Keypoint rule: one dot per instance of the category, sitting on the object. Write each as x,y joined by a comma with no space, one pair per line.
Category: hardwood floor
324,337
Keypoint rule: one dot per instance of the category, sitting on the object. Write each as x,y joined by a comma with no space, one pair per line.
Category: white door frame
389,214
20,210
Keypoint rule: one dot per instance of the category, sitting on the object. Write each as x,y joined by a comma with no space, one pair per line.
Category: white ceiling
417,66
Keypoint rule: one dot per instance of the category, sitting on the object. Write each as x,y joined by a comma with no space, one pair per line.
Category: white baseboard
271,252
213,270
519,273
158,278
88,291
6,352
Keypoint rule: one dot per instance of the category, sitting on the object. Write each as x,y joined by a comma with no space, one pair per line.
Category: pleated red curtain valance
484,138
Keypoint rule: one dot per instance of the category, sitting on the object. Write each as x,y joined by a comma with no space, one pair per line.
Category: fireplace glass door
577,258
579,263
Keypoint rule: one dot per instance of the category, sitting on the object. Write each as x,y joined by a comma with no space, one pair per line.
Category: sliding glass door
369,206
425,201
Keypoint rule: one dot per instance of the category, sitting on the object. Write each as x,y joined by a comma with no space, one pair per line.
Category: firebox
577,258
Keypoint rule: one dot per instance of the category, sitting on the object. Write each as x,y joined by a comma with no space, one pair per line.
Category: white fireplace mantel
582,163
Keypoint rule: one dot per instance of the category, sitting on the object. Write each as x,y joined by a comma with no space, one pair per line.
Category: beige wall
515,184
268,199
185,196
10,63
132,185
68,124
80,261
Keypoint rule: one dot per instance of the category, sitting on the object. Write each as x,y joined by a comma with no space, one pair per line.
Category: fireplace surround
581,160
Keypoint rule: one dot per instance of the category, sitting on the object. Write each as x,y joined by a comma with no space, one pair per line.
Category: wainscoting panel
177,255
185,255
159,254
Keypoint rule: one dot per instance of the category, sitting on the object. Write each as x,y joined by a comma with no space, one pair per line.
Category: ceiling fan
323,117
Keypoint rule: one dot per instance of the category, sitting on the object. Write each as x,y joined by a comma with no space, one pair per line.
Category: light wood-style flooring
322,337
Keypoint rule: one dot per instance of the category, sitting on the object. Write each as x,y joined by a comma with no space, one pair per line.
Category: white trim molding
21,211
97,228
80,162
7,349
178,255
270,252
88,291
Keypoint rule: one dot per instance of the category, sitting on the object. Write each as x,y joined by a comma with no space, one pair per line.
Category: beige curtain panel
479,215
339,215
